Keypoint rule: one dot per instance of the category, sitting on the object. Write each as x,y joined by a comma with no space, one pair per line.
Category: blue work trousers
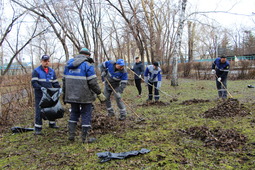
222,87
156,92
83,110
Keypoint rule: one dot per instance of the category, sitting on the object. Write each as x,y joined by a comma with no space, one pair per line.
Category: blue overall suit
47,80
222,70
153,77
80,86
118,81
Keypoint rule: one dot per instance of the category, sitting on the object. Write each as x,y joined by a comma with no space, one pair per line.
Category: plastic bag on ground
20,129
107,156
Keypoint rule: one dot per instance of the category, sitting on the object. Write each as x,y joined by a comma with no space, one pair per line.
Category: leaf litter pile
228,108
194,101
103,124
223,139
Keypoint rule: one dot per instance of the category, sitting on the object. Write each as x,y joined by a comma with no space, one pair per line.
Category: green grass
159,133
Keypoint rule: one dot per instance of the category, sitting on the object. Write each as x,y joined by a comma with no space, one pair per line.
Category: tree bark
176,52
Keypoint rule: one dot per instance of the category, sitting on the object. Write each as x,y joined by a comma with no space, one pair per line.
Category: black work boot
111,113
85,131
72,129
149,99
53,125
38,131
122,115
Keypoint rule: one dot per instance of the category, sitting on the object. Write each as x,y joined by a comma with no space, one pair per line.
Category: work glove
118,95
101,97
158,85
43,88
219,79
140,76
213,71
104,73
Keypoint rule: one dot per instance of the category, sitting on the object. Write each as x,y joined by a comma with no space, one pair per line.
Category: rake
140,118
152,85
224,87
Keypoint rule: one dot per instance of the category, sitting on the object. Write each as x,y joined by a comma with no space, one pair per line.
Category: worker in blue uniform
43,77
115,78
152,78
220,69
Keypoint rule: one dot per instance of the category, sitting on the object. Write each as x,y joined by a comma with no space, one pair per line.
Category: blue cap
120,62
85,51
45,57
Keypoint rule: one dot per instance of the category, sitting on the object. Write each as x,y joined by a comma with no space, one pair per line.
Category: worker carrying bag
51,108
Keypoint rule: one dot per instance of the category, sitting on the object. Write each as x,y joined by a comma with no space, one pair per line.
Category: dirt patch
223,139
154,103
228,108
194,101
103,124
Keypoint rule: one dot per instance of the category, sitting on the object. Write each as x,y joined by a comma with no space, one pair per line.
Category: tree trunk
174,81
191,35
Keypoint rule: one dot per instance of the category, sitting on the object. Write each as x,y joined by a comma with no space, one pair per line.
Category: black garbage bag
107,156
50,97
51,108
250,86
53,113
20,129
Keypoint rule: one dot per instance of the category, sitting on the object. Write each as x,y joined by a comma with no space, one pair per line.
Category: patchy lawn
176,131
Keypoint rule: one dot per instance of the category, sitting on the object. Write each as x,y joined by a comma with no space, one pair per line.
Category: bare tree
18,47
176,52
191,38
133,26
39,11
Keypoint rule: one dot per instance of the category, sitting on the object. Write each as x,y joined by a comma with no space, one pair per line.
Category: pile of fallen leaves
103,124
194,101
228,108
223,139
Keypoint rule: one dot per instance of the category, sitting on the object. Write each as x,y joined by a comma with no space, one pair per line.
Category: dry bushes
16,96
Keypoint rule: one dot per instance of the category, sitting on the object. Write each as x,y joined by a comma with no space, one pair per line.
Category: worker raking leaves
152,77
220,68
117,76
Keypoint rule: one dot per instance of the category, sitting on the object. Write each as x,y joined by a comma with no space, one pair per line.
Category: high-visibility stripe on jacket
80,81
222,69
152,75
117,78
42,79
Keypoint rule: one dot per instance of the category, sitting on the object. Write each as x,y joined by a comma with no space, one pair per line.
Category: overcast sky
243,7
